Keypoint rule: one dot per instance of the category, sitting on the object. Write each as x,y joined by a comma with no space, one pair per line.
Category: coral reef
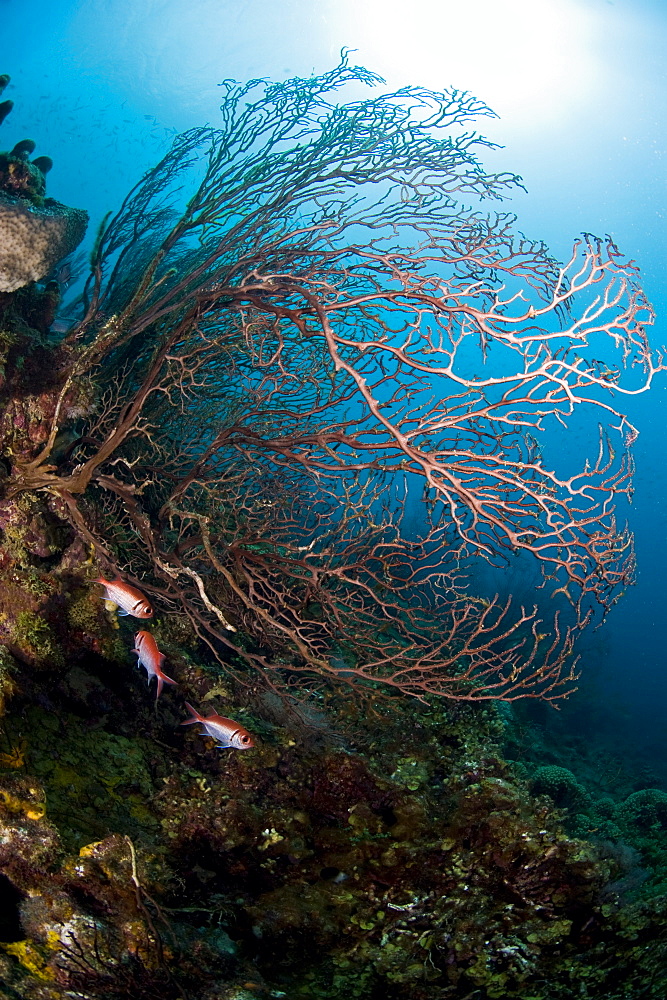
386,848
396,855
560,784
20,177
35,232
646,808
412,865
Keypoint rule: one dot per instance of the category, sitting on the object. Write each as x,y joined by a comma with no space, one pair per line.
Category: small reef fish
225,731
151,659
130,601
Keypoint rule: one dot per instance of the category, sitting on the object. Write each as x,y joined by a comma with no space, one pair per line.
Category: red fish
129,600
225,731
151,659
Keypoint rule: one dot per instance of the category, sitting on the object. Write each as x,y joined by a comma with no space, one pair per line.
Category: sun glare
528,59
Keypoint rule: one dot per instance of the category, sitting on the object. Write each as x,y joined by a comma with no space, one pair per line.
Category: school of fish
130,601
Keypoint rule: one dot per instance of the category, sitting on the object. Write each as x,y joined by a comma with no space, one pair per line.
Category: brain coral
33,239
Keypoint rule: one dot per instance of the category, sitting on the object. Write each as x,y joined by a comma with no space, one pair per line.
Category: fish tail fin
196,717
162,679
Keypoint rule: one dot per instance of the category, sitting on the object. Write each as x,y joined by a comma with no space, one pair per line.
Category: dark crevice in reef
10,919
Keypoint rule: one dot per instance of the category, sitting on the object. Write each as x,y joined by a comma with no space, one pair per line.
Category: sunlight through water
521,56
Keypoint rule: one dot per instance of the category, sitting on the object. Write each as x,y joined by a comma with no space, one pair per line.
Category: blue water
102,87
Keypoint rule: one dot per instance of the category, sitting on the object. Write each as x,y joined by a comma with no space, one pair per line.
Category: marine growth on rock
35,231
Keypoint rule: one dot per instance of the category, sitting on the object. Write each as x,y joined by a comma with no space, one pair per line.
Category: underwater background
580,90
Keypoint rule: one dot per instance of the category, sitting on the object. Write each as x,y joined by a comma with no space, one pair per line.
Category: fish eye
244,739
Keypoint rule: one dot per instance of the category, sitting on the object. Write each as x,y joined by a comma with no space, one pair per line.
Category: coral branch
324,389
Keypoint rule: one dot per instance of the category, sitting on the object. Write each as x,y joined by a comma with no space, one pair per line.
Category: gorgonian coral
322,387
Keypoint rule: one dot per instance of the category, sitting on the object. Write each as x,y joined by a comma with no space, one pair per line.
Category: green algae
35,637
95,782
8,671
355,883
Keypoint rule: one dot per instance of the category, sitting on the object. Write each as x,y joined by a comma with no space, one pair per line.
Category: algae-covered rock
8,670
29,844
35,232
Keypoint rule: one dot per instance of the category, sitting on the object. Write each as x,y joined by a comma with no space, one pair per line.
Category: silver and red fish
130,601
226,732
151,659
